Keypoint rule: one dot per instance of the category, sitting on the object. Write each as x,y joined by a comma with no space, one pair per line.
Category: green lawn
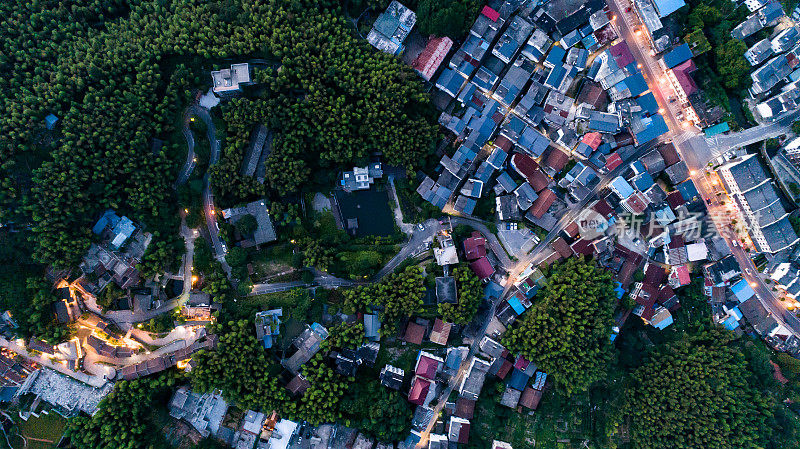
48,427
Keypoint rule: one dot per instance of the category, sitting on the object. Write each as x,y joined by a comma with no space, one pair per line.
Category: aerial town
400,225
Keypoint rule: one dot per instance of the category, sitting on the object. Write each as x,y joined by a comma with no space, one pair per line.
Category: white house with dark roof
757,200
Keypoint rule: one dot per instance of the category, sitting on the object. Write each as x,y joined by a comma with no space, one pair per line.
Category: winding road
195,110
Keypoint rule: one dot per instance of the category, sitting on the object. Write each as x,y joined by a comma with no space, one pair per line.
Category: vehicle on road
421,227
628,9
735,243
748,271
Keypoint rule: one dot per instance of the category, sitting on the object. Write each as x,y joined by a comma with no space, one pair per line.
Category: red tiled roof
427,367
675,199
465,408
683,73
572,229
414,333
419,391
613,161
636,203
622,54
654,275
669,153
560,246
527,167
557,160
593,139
505,368
432,56
490,13
503,142
676,242
475,247
546,199
602,208
683,275
482,268
530,398
623,138
583,247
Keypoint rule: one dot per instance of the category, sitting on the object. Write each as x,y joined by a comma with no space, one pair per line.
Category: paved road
191,160
415,244
219,247
696,151
781,125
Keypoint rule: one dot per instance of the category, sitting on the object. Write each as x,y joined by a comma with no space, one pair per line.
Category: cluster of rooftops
513,76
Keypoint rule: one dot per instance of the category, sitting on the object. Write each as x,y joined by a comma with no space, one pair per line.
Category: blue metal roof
556,55
655,126
648,103
589,42
719,128
493,289
636,84
504,179
450,81
643,181
678,55
516,305
518,380
687,189
742,290
667,7
622,188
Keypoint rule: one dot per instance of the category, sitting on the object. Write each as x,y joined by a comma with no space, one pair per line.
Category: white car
421,227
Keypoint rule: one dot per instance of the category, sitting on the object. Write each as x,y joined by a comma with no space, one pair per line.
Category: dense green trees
124,418
451,18
377,410
693,393
566,332
731,64
470,293
246,225
398,295
116,80
239,368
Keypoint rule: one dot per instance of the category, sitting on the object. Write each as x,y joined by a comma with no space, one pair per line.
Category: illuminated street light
753,284
693,172
191,119
661,110
639,65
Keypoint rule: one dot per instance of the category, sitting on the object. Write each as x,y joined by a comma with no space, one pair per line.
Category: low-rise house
414,333
748,183
298,385
391,28
231,80
510,42
458,430
307,344
440,332
472,383
361,178
446,292
431,58
392,377
268,326
759,52
264,232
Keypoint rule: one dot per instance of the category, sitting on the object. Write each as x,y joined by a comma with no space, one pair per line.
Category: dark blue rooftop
678,55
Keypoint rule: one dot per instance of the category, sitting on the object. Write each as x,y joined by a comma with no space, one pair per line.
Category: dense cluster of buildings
523,116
